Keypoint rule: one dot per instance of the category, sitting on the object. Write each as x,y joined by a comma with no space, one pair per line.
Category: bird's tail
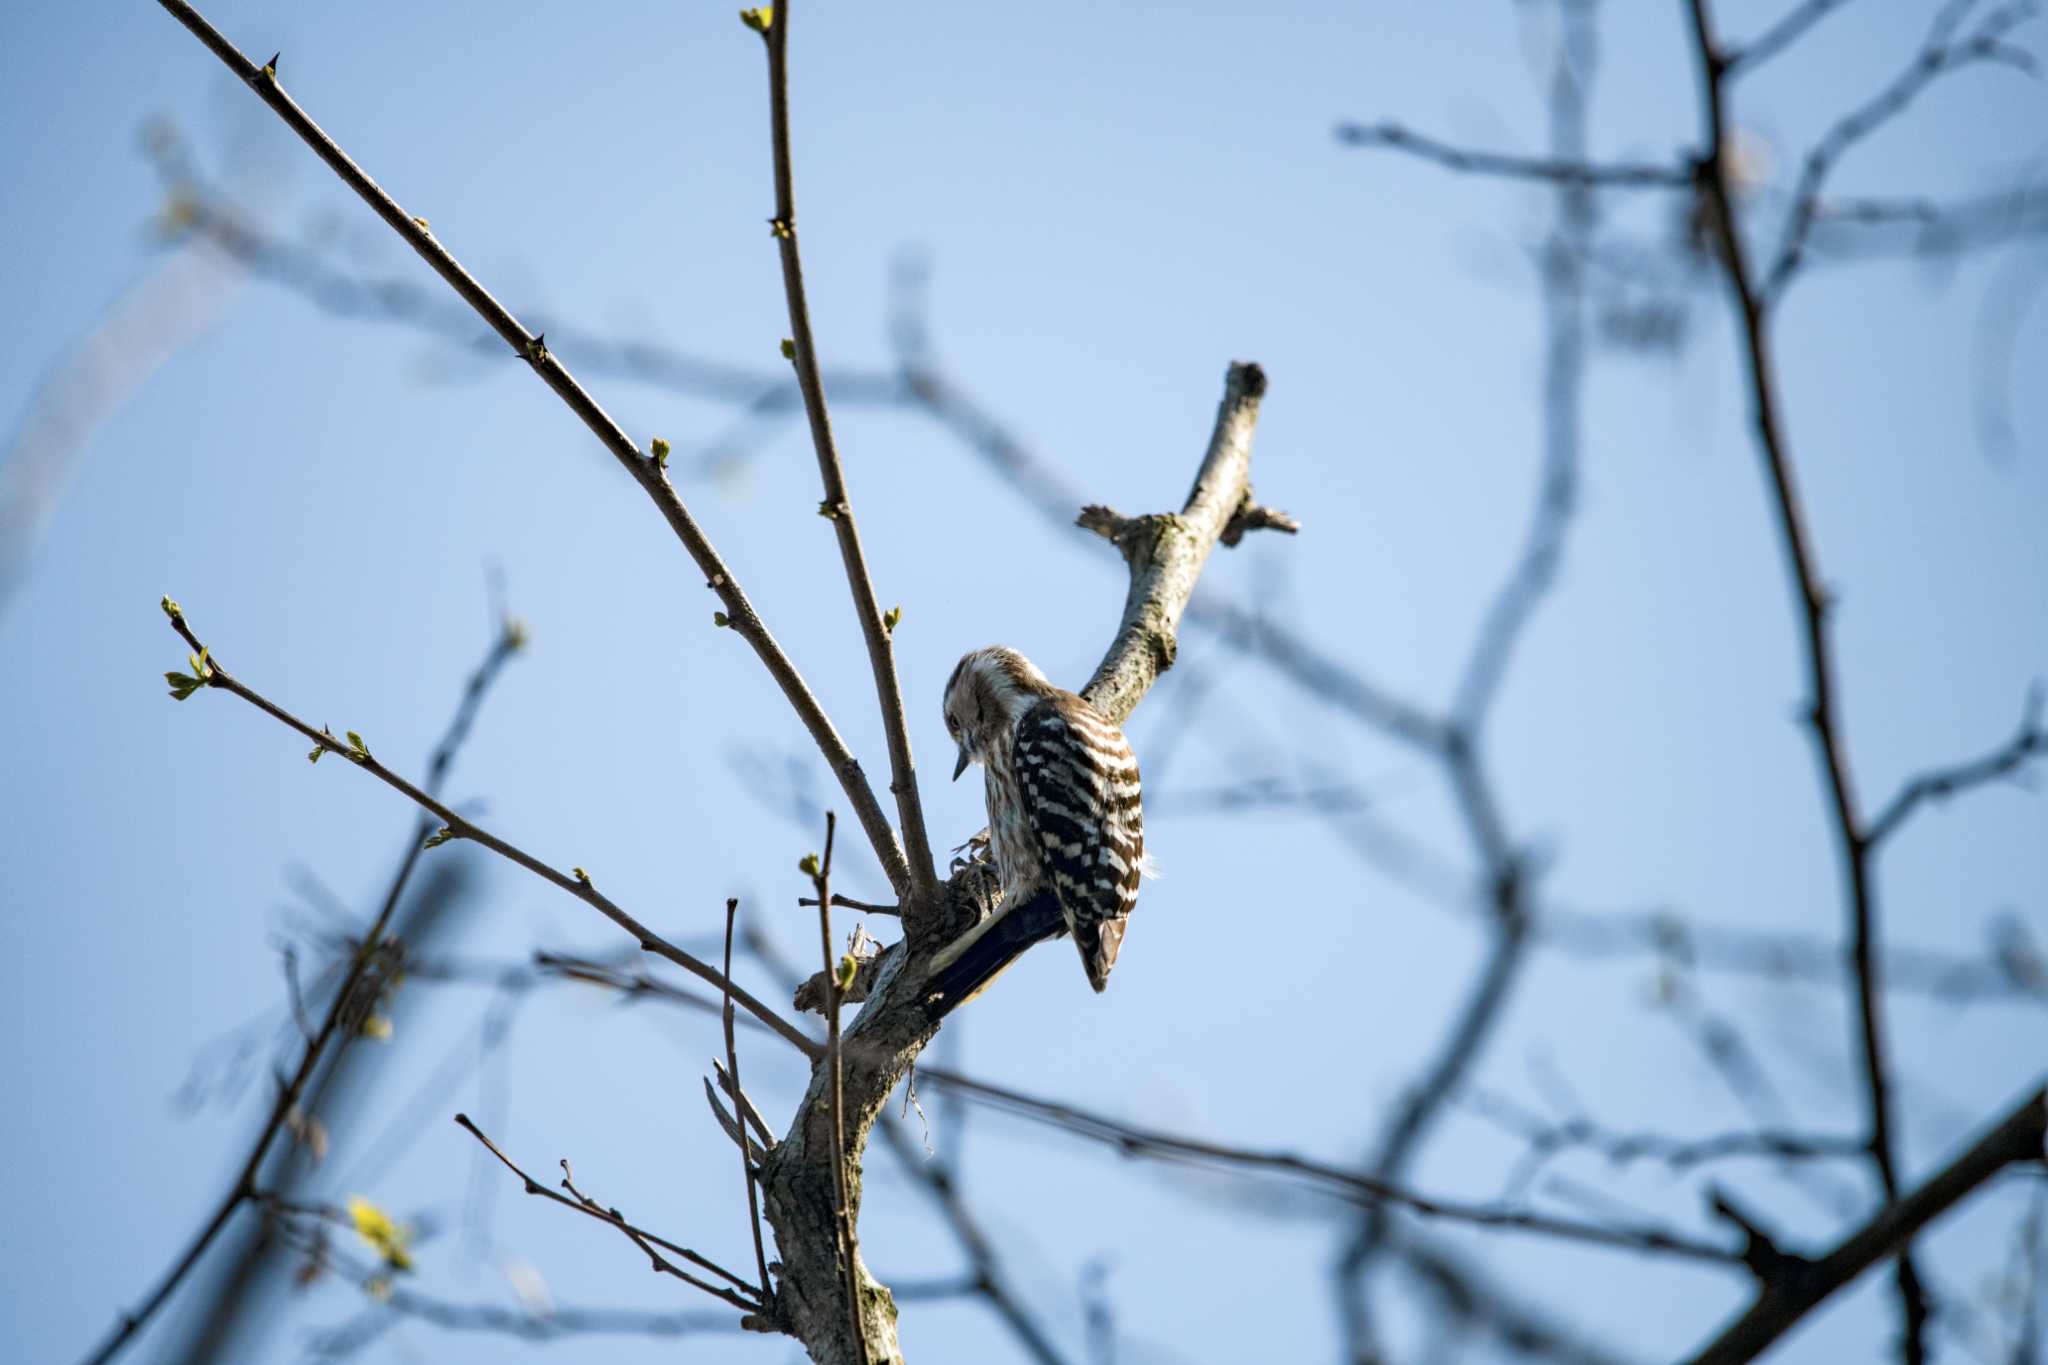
966,966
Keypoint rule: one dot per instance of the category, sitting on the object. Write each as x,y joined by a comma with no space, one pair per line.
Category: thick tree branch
649,472
1166,551
838,505
1802,1285
803,1175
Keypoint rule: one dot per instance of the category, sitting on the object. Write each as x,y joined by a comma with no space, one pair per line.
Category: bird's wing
1081,795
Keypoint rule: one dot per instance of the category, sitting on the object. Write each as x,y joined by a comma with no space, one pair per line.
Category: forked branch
650,472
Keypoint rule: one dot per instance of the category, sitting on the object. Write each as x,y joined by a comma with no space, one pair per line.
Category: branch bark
800,1178
1166,551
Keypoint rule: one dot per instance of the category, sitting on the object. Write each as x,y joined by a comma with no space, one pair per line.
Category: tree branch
1556,170
1337,1181
649,472
366,956
460,827
1803,1285
741,1108
849,1241
1941,52
1780,35
1813,603
1941,783
640,1237
803,1174
1166,552
838,505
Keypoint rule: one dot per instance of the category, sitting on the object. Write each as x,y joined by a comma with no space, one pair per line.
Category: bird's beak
961,766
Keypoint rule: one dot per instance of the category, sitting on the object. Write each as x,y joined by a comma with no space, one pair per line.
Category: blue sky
1115,201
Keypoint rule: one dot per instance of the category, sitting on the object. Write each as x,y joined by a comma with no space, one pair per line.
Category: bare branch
1780,35
849,903
640,1237
838,505
821,881
461,827
1336,1181
1813,601
1620,174
1942,52
1804,1285
1166,552
365,958
1941,783
648,472
1547,1139
732,1063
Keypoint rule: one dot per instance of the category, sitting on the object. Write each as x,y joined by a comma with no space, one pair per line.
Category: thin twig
1780,35
1941,52
838,504
365,957
1941,783
650,473
1557,170
821,881
732,1066
460,827
1134,1141
640,1237
849,903
1814,604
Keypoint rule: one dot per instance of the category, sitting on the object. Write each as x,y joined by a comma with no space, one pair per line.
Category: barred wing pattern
1080,793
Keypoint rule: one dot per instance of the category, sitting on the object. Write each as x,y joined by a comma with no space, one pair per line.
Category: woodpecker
1064,823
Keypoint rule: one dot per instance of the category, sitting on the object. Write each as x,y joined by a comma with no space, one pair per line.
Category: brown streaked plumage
1065,820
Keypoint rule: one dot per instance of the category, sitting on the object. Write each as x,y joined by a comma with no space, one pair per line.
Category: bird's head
990,688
